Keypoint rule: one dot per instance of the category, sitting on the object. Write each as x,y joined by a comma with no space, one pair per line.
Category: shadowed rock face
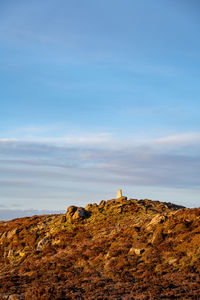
119,249
76,213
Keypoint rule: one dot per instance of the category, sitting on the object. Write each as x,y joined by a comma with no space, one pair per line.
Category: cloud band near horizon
42,173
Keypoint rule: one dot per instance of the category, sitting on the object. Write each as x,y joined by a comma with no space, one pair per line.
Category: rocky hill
119,249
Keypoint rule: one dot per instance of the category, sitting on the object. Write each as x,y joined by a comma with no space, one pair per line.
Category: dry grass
91,258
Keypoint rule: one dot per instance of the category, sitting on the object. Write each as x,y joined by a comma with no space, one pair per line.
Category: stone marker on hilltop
119,194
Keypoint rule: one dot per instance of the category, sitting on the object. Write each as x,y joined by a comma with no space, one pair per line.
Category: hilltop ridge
130,249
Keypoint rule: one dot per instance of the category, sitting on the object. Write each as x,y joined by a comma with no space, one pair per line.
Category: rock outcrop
75,213
130,249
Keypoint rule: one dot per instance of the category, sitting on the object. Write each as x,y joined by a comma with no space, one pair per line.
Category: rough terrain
119,249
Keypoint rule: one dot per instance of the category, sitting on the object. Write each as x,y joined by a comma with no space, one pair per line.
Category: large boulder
80,213
71,210
77,213
158,219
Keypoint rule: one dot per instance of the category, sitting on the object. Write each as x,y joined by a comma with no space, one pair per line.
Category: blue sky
96,95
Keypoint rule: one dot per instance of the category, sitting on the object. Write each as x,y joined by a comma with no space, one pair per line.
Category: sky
96,96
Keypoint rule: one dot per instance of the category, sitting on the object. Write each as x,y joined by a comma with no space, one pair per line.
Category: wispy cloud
99,159
184,139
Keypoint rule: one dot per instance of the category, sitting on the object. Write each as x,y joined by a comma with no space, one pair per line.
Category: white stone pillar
119,194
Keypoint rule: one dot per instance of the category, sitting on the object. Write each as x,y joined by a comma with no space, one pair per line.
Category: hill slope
119,249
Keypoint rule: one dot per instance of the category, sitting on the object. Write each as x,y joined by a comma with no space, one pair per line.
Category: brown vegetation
119,249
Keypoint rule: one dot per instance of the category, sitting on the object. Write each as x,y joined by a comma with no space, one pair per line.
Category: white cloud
57,168
185,139
8,140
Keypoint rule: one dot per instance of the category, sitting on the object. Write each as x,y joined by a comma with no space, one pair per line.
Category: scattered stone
136,251
41,244
158,236
115,245
10,253
3,236
158,219
172,261
41,226
11,233
15,297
